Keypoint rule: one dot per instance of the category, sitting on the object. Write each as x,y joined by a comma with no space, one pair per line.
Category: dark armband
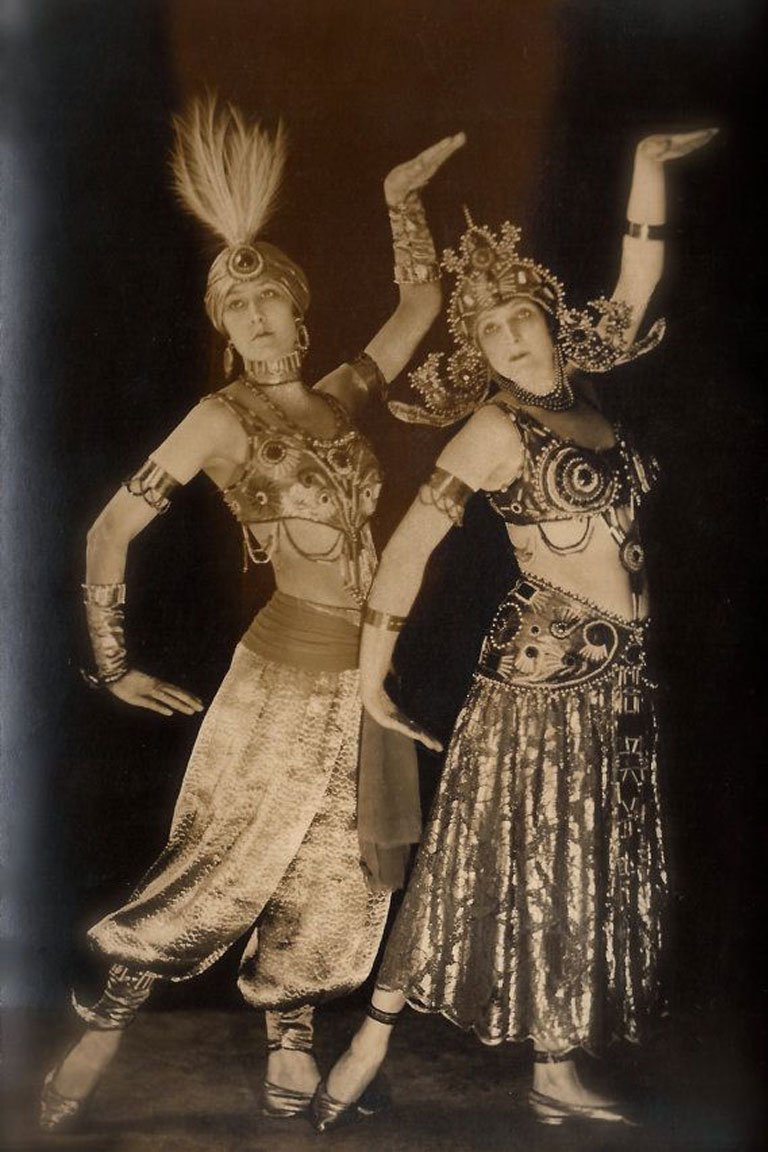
368,377
153,484
105,616
415,256
646,231
447,493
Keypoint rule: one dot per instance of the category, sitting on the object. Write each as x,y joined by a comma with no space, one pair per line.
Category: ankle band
125,992
382,1017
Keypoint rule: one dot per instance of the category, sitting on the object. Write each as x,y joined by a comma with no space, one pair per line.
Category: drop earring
229,360
302,338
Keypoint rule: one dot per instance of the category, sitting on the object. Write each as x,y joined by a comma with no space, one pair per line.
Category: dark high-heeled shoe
551,1110
328,1112
59,1113
284,1103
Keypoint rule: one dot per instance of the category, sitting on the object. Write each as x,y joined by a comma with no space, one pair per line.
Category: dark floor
188,1081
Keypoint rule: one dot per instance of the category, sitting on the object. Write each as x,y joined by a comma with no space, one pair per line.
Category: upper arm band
153,484
448,493
368,376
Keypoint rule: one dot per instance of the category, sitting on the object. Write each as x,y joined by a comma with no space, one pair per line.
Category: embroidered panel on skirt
537,899
263,830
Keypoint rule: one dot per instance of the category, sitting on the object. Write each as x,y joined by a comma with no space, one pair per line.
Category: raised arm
203,438
642,254
486,453
416,274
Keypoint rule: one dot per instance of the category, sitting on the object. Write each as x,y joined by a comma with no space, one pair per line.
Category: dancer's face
516,341
260,320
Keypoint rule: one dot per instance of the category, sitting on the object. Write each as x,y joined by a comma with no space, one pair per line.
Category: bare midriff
592,570
317,581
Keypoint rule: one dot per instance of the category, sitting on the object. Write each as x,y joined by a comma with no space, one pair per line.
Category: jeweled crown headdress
228,174
490,271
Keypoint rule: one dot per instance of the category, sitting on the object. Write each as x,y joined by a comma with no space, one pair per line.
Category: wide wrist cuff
415,256
104,614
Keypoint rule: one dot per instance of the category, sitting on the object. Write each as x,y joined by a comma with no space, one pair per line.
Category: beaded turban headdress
228,174
490,271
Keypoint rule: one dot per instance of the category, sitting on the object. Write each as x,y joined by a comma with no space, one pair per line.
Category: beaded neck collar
269,373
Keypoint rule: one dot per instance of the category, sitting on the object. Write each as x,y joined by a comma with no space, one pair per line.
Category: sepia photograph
383,520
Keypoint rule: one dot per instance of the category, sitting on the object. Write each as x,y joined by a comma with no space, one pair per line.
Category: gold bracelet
646,231
378,619
104,612
104,595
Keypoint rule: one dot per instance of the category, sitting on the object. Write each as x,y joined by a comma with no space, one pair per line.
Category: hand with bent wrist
379,705
417,269
659,148
105,610
412,175
377,645
415,256
145,691
646,210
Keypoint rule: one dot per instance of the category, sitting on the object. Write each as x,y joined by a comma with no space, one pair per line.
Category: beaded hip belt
545,637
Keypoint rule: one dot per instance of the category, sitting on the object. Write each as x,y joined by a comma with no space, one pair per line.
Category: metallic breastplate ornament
291,476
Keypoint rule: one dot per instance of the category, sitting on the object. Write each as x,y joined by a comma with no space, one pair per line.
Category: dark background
107,345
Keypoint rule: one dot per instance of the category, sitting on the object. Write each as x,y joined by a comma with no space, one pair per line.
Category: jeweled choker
267,373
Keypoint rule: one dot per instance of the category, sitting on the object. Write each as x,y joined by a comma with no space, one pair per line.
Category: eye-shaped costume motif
535,641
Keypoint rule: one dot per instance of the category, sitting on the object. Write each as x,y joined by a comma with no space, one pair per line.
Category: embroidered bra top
290,475
562,480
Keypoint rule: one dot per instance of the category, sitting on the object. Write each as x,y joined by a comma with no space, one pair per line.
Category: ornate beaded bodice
290,475
560,479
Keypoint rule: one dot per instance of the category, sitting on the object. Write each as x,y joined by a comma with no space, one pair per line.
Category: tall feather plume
227,172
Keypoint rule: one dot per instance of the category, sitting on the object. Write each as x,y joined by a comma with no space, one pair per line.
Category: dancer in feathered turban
536,905
264,840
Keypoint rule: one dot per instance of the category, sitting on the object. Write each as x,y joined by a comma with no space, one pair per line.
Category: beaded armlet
447,493
415,256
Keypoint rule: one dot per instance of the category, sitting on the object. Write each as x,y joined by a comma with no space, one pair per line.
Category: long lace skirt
263,843
536,903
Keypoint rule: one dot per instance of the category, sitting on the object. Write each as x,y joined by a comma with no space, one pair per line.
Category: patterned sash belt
315,637
543,637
